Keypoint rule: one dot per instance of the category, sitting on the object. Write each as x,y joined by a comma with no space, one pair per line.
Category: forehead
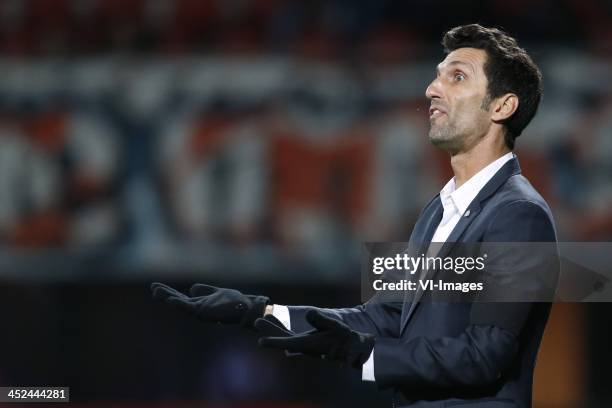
472,58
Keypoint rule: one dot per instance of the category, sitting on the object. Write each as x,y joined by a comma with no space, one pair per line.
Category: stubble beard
454,136
445,136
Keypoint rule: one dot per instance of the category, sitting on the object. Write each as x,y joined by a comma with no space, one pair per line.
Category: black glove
270,326
330,339
211,304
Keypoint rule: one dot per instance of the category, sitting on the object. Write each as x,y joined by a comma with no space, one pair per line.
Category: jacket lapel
435,216
509,169
420,239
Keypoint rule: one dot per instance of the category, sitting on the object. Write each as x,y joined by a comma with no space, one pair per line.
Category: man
435,354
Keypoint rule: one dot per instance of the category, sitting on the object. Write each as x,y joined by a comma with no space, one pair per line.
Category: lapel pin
467,213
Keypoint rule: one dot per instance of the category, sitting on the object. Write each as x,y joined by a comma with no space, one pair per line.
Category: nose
433,90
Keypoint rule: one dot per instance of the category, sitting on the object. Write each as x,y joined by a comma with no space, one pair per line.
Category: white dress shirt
455,202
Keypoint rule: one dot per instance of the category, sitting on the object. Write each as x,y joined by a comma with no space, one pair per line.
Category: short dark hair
509,69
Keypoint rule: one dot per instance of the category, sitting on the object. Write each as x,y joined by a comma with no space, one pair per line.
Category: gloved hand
212,304
330,339
270,326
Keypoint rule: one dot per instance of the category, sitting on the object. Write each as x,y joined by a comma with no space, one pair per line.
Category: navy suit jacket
439,354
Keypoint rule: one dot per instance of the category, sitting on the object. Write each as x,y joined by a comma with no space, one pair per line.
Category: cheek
470,109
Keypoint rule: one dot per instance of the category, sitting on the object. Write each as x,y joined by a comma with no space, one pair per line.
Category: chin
436,137
448,143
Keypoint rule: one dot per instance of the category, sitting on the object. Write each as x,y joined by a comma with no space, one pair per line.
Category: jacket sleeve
373,317
479,355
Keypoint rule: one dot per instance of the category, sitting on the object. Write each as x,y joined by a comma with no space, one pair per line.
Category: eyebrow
456,63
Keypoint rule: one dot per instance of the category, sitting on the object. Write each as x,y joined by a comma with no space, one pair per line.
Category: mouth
435,112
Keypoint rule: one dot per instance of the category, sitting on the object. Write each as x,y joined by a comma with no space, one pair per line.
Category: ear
504,107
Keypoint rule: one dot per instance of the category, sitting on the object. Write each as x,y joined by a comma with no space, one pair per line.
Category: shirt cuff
367,371
282,314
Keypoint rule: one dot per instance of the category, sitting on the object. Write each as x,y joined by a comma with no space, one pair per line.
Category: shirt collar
464,195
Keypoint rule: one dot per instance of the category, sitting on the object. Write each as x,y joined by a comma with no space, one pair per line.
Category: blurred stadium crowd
156,128
75,27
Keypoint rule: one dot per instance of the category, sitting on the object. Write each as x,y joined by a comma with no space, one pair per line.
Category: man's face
457,114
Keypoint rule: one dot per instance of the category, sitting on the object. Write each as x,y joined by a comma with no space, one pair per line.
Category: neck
467,163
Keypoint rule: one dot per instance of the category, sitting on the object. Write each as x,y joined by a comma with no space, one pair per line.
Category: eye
459,76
